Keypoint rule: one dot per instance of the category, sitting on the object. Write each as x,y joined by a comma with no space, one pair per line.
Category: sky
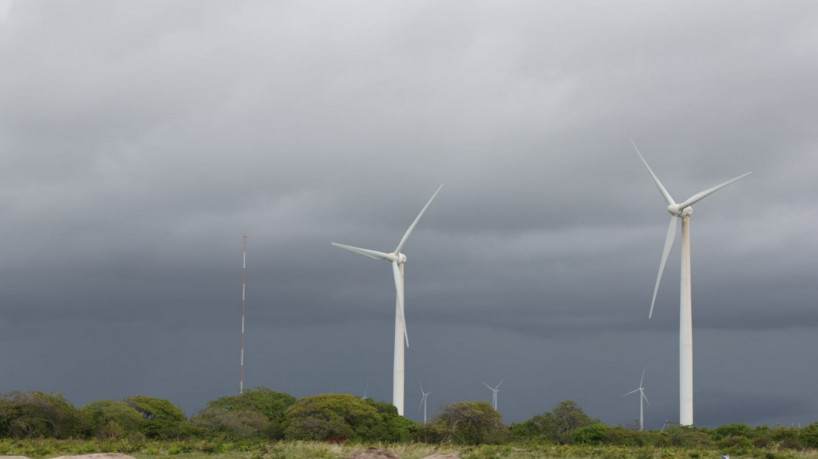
140,141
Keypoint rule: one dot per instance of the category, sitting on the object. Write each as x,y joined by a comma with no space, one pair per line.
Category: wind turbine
424,396
494,391
642,398
397,259
682,211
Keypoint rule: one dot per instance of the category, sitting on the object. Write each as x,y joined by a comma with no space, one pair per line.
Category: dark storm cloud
139,142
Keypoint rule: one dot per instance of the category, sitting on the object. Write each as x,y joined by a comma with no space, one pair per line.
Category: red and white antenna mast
243,285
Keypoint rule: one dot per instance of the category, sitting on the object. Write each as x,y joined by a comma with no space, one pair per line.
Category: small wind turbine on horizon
642,398
398,261
494,390
424,396
682,211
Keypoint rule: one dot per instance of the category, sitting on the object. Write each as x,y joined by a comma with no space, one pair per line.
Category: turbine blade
626,394
671,234
365,252
412,226
421,387
396,271
645,397
488,387
498,384
643,376
703,194
659,185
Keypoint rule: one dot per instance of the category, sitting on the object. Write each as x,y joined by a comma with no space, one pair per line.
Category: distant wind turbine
398,260
682,211
494,390
642,398
424,396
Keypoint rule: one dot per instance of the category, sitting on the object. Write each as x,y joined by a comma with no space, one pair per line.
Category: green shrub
38,415
470,423
590,435
321,417
160,418
266,401
108,419
736,445
809,435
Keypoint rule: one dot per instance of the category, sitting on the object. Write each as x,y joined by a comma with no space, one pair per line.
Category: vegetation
468,423
160,418
264,424
259,412
341,416
35,415
111,419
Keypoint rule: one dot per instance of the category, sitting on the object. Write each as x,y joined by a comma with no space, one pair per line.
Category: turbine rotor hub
401,259
674,210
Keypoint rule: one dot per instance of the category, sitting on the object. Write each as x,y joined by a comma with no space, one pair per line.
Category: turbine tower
494,391
424,396
243,285
642,398
682,211
398,259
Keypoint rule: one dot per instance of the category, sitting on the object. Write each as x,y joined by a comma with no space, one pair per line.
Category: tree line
262,414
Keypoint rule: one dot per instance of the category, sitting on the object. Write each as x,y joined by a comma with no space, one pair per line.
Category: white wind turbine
424,396
397,259
682,211
642,398
494,390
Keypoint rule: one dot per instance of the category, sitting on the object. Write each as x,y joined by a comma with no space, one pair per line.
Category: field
303,450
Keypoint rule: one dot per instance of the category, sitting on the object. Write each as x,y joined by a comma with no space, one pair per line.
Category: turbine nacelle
399,258
678,211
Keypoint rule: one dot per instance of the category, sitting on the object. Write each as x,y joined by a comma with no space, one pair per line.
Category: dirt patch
374,453
97,456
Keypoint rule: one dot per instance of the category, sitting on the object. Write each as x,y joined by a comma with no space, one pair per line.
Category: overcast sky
140,140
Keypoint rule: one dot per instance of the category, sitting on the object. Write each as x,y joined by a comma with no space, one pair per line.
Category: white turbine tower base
398,259
682,211
642,398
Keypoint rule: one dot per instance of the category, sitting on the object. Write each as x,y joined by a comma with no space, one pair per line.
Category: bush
732,430
160,418
232,425
469,423
38,415
736,445
267,402
555,427
809,435
590,435
398,428
621,436
108,419
321,417
685,437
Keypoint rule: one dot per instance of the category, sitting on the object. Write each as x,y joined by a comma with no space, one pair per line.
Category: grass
44,448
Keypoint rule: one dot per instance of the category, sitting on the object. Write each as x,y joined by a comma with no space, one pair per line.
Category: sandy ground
83,456
370,453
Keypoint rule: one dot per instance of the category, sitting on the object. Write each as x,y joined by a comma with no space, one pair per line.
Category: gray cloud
138,143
